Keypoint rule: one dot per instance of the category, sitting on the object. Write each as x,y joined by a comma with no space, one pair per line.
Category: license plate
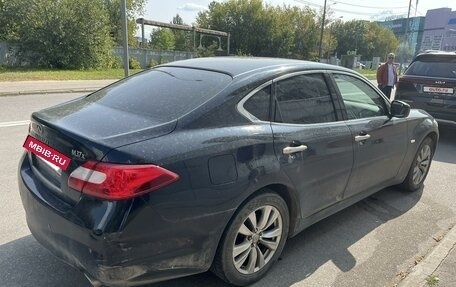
438,90
46,152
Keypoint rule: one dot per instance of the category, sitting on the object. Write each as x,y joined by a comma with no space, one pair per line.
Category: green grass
370,74
33,74
432,280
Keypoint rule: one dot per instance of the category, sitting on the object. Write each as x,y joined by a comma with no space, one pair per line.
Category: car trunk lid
77,134
141,107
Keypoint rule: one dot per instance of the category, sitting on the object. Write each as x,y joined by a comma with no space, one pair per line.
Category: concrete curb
419,273
59,91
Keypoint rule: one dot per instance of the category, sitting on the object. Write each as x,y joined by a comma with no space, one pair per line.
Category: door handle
360,138
294,149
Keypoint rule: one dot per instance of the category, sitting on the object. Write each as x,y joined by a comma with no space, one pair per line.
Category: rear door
314,148
380,142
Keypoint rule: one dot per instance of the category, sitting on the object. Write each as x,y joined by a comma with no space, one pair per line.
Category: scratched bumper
143,248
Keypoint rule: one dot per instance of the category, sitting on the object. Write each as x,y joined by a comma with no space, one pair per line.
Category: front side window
360,99
303,99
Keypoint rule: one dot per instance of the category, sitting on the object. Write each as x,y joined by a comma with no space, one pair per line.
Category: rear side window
164,93
433,67
258,104
303,99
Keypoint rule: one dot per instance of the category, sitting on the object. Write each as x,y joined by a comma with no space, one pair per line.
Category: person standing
387,76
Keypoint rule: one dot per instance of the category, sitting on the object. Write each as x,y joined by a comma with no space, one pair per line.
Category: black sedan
211,163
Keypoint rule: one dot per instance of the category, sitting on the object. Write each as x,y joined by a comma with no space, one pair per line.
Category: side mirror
399,109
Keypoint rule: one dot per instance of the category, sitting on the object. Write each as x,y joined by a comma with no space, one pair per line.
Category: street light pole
123,11
407,23
321,32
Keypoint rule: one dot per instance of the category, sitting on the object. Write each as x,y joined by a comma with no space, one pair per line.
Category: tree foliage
183,39
404,52
261,30
59,34
247,21
364,38
172,39
81,33
162,39
8,27
134,8
65,33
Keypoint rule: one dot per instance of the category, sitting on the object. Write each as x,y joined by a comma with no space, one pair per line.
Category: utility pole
321,32
123,11
407,22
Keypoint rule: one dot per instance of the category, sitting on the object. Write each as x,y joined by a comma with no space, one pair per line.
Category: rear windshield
164,93
439,68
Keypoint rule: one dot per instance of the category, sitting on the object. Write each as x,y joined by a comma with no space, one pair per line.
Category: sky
164,11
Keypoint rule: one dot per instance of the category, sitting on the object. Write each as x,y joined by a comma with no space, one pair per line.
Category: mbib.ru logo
46,152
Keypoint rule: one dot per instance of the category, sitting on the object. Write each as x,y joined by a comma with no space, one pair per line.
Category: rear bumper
144,248
442,114
446,122
444,118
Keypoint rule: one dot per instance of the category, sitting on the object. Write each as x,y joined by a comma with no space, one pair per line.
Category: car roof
237,66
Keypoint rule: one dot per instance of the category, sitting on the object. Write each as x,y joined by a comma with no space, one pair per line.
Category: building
439,30
413,35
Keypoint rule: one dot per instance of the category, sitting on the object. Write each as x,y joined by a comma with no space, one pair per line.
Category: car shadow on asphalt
326,241
446,148
329,240
25,263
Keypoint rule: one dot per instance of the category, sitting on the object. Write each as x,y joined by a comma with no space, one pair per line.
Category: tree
66,33
134,7
306,32
380,41
246,20
404,52
8,27
59,34
263,30
162,39
281,32
181,38
363,38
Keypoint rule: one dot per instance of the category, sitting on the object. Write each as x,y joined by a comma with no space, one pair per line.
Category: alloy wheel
257,239
422,164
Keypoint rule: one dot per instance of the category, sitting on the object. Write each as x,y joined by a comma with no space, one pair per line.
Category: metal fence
7,56
144,56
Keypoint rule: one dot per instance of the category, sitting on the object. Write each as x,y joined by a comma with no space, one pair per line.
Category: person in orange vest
387,76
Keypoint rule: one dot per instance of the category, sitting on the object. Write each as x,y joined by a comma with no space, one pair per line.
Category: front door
379,141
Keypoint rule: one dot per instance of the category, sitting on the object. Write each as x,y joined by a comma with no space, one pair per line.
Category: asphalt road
369,244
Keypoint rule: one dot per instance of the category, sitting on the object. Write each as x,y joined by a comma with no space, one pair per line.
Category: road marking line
13,124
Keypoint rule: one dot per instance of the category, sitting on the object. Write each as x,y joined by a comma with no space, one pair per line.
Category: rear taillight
119,181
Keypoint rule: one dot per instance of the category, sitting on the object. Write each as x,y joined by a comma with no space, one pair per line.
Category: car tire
253,240
420,165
